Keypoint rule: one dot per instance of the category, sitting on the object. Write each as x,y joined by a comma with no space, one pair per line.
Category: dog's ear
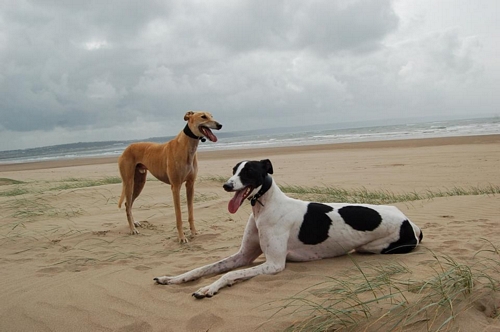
267,165
188,115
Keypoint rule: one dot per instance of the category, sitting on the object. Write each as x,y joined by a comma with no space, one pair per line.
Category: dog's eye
204,117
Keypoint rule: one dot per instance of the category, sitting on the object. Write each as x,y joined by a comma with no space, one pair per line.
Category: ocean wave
275,139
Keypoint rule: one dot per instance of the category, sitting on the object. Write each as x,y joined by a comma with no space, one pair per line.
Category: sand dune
68,263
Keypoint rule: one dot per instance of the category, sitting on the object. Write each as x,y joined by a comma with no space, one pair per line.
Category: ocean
306,135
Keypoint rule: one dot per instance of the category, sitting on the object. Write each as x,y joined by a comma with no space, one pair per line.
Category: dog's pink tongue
208,133
236,201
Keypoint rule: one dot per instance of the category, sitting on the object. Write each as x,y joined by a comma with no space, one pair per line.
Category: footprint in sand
146,224
142,268
64,249
488,303
100,233
204,322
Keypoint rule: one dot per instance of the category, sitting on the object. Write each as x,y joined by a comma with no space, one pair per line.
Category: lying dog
284,228
173,162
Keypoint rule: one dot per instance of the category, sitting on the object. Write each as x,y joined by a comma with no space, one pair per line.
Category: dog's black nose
228,186
219,126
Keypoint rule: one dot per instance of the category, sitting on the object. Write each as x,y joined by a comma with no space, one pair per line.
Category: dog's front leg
190,199
249,251
233,277
275,250
226,264
176,195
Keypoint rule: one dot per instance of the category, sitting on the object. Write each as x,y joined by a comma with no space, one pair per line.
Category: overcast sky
74,71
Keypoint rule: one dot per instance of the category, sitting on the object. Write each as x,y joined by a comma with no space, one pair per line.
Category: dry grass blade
330,194
378,298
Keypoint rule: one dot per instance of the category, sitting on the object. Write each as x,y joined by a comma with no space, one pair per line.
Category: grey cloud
318,26
53,70
99,68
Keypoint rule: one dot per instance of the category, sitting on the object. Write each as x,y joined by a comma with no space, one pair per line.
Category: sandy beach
68,262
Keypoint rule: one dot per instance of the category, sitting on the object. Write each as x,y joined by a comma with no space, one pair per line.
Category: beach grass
385,297
7,181
363,195
75,183
27,203
213,178
14,192
319,194
16,188
28,208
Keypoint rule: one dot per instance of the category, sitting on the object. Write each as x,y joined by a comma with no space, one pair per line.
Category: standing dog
173,162
285,228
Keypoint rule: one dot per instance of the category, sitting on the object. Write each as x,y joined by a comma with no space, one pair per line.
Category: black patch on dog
316,224
406,243
254,172
360,218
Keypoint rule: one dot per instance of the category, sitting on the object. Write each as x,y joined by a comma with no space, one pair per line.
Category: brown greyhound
173,162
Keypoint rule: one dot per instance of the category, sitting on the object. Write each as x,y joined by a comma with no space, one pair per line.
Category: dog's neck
266,185
190,134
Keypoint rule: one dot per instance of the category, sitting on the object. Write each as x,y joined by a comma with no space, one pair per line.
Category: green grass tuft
364,196
385,298
6,181
213,178
14,192
75,183
17,190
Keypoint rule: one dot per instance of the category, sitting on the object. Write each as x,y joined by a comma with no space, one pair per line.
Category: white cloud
95,44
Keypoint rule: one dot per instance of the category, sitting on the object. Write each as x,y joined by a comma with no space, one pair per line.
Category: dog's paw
134,232
137,224
183,240
164,280
204,292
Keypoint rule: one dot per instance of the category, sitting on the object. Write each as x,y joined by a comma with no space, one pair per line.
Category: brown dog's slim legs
176,194
139,181
130,219
129,201
190,198
132,187
127,174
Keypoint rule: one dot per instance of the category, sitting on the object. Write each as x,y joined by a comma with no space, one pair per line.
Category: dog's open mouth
239,197
207,133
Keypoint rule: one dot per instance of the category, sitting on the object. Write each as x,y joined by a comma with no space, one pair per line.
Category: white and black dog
284,228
